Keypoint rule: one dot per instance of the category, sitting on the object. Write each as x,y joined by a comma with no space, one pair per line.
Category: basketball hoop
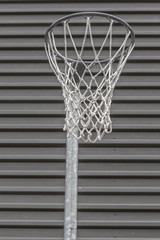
88,82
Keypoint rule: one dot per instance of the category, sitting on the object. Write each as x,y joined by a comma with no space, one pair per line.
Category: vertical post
70,213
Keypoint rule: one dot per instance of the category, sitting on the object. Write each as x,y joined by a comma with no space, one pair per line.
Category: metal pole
70,217
70,213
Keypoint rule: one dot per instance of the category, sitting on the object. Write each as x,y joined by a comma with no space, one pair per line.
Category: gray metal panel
119,178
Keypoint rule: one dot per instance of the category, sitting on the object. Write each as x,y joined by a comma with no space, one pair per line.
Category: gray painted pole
70,213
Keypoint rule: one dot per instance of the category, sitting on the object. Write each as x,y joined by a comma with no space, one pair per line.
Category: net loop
88,85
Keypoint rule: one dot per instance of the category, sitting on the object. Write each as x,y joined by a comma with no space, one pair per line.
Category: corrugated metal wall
119,178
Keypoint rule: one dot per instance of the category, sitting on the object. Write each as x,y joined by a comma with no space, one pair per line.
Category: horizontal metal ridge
56,85
34,46
31,85
65,1
150,143
48,22
33,174
119,190
81,207
135,85
82,190
32,190
124,143
71,10
32,158
130,158
56,113
32,206
120,207
32,113
31,223
41,59
31,127
46,72
119,224
81,224
46,238
81,174
59,127
81,158
40,34
59,99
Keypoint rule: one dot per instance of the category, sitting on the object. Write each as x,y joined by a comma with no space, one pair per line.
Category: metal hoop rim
101,14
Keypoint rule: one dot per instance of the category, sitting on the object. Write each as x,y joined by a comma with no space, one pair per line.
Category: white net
88,85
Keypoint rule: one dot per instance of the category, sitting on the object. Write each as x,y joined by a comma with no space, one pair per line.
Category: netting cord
88,111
